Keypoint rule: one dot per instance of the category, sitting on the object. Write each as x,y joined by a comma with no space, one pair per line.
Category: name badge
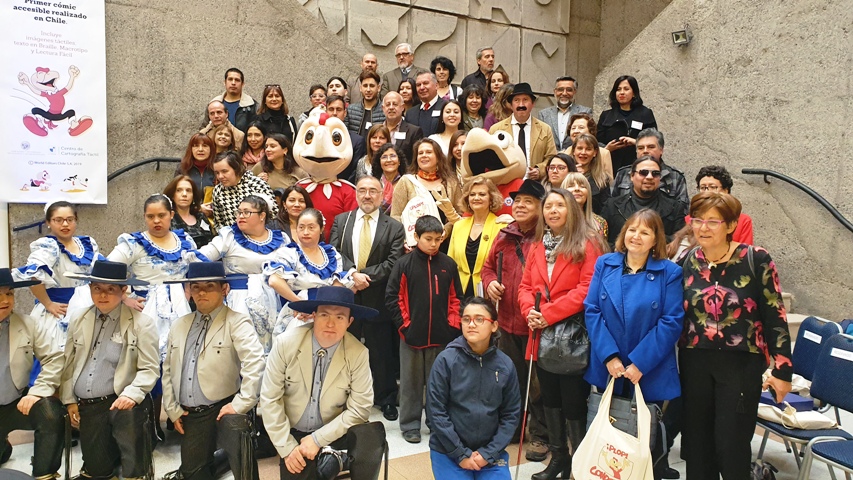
399,135
436,113
636,125
116,338
367,125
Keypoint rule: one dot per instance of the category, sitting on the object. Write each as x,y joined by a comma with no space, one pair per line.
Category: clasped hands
616,370
307,448
474,462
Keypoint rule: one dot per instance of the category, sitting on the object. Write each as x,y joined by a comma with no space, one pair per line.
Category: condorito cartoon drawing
43,83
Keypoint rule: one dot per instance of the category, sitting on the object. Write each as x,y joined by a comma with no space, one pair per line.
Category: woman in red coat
561,269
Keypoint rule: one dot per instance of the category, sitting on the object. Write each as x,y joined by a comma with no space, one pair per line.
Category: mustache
520,108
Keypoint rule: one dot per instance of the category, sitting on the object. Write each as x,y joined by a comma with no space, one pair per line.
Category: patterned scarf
551,241
429,177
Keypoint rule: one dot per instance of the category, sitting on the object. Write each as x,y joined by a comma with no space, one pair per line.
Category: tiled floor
411,462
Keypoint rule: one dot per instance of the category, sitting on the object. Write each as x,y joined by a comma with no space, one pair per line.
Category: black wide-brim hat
530,187
207,272
335,296
104,271
521,89
6,280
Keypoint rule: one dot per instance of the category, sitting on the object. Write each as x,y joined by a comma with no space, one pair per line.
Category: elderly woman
578,185
580,123
274,114
387,166
473,236
618,127
556,169
445,71
735,327
560,269
634,313
235,183
278,167
587,157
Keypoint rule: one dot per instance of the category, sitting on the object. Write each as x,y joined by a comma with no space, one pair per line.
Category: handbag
761,470
623,415
792,419
607,452
564,346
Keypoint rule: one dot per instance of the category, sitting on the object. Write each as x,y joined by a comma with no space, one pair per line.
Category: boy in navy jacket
423,300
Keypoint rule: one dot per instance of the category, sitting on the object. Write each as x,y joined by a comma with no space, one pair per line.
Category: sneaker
412,436
536,451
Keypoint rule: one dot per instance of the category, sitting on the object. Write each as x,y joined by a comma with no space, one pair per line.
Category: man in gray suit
558,116
405,69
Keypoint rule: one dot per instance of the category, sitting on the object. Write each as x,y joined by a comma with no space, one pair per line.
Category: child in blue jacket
473,401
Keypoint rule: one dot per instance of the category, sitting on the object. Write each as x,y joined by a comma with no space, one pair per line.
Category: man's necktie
522,140
364,243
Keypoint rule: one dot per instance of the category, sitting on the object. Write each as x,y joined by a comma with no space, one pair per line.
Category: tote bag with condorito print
607,453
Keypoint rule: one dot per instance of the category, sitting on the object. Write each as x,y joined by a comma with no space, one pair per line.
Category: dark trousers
109,438
720,390
382,341
47,421
514,347
310,470
566,392
203,434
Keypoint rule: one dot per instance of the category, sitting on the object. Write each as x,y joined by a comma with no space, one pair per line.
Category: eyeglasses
557,168
272,85
245,213
398,55
711,224
389,157
646,173
60,221
466,320
367,191
709,188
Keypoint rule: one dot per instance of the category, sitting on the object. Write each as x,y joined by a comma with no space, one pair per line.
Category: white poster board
53,124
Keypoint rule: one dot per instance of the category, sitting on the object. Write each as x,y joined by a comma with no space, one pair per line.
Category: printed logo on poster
54,90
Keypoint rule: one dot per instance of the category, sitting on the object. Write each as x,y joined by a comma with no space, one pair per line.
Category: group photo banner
54,117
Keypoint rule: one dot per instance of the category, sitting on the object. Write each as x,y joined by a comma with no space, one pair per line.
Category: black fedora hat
114,273
6,280
336,296
530,187
207,272
522,88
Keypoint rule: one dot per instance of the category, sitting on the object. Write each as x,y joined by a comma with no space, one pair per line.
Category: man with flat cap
317,391
21,341
112,361
211,378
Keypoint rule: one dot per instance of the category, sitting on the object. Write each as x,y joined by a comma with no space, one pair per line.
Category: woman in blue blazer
634,313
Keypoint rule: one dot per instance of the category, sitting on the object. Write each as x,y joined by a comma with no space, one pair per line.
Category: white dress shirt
356,230
527,128
563,122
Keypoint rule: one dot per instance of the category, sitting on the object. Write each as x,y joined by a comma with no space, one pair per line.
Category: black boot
577,430
561,463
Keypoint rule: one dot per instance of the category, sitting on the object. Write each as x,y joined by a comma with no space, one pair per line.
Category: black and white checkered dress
227,199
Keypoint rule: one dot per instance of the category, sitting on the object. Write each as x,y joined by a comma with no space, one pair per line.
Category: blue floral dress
243,256
48,263
304,277
147,261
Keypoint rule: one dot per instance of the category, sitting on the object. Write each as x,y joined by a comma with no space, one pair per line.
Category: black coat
612,124
283,124
616,211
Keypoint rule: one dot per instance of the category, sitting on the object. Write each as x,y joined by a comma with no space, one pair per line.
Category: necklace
713,263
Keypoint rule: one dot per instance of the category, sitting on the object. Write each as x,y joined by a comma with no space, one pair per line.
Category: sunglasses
646,173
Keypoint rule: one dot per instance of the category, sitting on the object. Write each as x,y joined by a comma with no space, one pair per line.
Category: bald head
369,62
392,106
216,113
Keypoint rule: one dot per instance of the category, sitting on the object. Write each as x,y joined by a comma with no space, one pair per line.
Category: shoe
536,451
668,473
7,453
412,436
390,412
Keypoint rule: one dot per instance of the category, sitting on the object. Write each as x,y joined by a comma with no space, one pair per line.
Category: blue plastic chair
811,338
833,382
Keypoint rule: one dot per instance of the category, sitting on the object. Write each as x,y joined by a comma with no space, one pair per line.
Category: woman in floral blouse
735,327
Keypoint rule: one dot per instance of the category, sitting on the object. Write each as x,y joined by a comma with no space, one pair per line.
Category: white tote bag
609,453
418,206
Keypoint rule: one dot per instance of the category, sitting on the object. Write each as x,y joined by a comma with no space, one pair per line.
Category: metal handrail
832,210
111,176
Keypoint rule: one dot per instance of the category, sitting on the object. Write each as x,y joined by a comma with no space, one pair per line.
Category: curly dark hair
446,63
718,172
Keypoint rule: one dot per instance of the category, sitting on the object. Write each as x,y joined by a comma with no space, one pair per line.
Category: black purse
564,346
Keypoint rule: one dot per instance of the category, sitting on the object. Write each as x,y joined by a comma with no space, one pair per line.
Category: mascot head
493,156
322,147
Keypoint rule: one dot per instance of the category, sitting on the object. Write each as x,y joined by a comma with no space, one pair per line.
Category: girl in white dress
51,257
245,248
316,264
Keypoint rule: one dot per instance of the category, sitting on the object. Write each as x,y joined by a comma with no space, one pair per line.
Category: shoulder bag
564,346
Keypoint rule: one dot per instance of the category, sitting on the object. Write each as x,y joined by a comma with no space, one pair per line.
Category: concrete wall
621,21
763,85
165,60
